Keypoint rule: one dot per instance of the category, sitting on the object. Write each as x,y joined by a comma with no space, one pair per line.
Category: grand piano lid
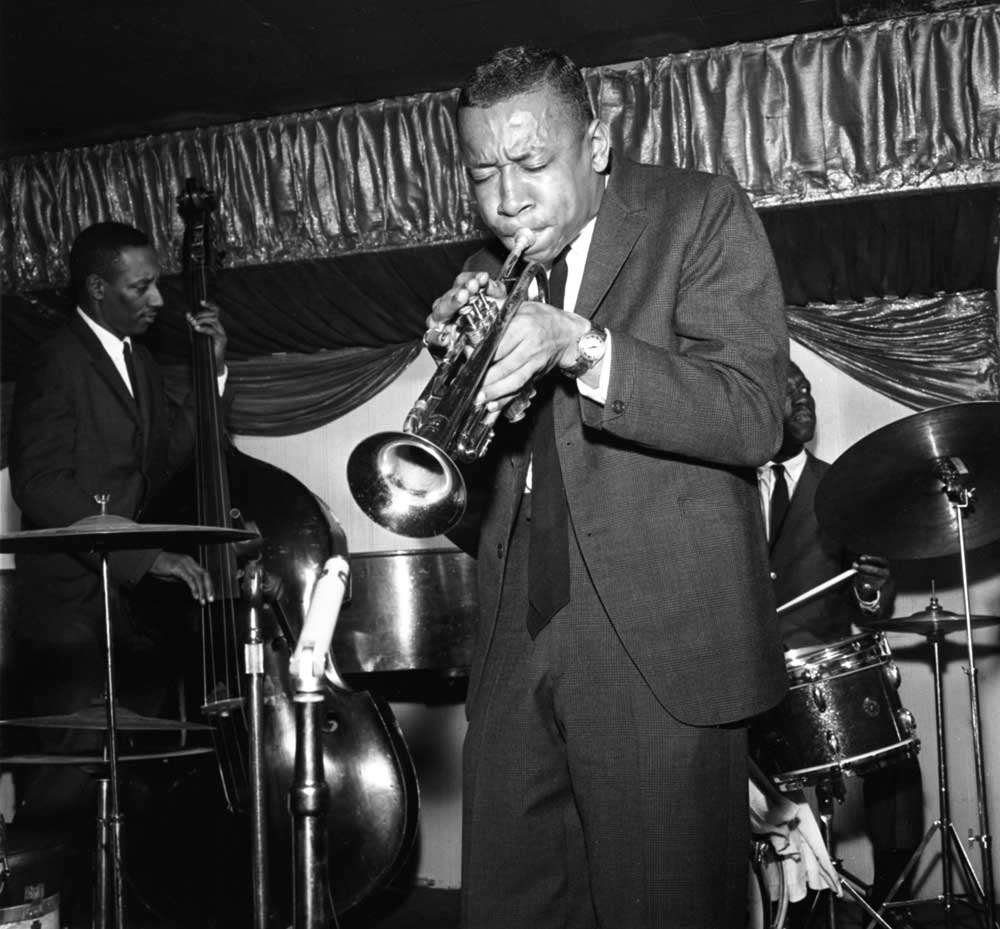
408,611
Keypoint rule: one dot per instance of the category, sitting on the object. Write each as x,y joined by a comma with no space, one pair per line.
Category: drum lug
833,742
818,697
891,673
906,721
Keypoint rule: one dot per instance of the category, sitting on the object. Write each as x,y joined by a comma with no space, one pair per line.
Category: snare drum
842,715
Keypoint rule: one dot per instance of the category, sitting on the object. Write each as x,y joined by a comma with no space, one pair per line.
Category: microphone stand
310,794
253,657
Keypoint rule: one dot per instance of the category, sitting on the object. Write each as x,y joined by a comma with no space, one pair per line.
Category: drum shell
30,895
842,715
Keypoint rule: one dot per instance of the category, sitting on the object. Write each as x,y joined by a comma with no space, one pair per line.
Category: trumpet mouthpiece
523,240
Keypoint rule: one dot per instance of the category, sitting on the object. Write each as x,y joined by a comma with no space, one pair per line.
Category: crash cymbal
101,761
95,717
115,533
934,622
890,494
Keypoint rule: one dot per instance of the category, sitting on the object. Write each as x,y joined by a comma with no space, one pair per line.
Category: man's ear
600,145
95,287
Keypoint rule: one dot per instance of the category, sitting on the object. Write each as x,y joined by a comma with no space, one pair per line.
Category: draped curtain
330,204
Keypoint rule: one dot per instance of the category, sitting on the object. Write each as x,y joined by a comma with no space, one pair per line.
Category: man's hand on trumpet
538,338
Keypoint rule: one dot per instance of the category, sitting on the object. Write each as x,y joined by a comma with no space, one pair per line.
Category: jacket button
774,576
618,406
499,549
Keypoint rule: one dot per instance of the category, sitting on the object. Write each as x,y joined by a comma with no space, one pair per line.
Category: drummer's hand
872,576
171,566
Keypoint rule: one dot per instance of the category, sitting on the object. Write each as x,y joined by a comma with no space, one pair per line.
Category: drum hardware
102,534
828,789
935,623
925,486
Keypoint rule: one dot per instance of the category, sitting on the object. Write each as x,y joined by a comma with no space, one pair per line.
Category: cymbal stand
827,791
943,827
114,819
957,485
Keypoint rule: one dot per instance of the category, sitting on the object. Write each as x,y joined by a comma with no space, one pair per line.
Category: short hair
521,69
97,250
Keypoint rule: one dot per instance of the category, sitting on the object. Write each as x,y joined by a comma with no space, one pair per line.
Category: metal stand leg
826,792
951,848
114,819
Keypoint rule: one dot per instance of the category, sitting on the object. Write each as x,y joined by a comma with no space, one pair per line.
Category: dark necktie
779,499
548,569
138,392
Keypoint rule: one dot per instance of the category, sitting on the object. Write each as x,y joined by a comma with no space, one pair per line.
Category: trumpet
409,481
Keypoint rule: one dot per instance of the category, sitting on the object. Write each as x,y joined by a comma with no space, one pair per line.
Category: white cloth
801,861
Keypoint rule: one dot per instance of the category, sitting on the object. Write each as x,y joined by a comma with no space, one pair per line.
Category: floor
187,866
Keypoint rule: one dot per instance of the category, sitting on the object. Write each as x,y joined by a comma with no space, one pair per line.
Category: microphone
309,660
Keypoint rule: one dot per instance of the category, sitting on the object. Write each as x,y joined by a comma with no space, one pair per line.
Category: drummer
802,557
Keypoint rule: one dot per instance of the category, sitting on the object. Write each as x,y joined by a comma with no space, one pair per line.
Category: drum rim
860,647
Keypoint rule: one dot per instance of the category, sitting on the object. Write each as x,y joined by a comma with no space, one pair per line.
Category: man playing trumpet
627,620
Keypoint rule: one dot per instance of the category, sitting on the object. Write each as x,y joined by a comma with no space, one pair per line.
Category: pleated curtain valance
898,105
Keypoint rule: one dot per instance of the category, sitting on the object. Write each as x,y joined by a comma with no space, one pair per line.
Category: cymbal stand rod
984,839
117,867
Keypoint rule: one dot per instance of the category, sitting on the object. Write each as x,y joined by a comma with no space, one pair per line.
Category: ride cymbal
892,493
100,760
115,533
96,718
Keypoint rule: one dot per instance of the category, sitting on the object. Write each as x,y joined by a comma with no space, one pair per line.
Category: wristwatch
590,349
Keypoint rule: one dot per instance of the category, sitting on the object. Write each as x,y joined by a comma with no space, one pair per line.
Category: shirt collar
109,341
793,467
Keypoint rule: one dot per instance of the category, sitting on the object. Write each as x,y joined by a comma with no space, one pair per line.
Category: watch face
591,346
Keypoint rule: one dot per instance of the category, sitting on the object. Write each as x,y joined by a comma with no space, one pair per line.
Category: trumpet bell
406,484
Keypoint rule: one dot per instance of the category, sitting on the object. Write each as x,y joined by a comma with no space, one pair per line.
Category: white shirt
114,346
576,261
765,483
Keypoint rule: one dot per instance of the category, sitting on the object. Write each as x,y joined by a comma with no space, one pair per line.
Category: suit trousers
586,804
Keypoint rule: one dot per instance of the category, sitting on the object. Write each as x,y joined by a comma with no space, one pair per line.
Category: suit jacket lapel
618,227
105,367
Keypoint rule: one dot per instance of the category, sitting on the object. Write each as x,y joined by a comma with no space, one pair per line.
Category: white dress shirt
765,483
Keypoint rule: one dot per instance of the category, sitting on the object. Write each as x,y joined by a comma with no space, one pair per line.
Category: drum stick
795,601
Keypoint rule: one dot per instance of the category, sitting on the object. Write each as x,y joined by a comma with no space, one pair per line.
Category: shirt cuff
220,380
599,394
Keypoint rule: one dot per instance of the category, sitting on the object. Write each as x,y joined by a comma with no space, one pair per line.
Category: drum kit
102,534
923,487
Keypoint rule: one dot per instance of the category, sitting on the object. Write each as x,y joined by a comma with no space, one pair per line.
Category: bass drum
842,715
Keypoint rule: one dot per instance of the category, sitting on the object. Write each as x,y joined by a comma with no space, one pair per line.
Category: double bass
373,803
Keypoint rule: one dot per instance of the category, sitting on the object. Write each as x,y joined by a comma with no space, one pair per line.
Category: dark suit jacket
803,556
77,432
660,480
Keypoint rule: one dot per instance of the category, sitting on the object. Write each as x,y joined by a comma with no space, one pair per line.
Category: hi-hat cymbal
115,533
933,622
101,760
890,493
96,717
